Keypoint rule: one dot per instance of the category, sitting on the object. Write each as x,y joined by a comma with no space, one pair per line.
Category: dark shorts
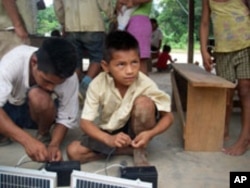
20,115
99,147
89,45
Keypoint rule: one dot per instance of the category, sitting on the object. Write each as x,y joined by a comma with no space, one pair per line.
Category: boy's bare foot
239,148
140,157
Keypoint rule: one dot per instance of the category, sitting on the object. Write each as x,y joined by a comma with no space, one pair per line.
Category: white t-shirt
156,38
14,84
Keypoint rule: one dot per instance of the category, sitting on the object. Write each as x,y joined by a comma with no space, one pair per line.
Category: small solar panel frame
26,177
103,181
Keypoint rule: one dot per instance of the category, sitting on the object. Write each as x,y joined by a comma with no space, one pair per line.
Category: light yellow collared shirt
104,97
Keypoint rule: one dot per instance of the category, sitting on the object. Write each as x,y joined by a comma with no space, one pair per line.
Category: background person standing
83,25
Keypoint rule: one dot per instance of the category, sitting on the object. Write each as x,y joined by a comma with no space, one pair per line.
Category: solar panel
80,179
11,177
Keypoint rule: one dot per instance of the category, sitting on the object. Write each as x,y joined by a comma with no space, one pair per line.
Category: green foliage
172,17
47,21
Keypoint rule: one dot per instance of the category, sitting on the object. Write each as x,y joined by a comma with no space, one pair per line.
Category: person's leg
89,149
144,65
229,107
42,110
241,62
76,151
242,143
142,118
74,38
225,68
93,43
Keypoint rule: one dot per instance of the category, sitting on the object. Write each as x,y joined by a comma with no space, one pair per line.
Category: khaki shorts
233,65
9,40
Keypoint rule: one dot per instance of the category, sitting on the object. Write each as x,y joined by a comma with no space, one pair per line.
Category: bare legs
229,108
241,145
76,151
142,118
93,70
42,109
144,65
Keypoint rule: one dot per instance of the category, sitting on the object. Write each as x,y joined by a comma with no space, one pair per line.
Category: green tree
172,16
47,21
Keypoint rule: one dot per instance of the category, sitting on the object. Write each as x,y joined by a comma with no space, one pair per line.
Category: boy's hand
207,61
120,140
141,140
54,153
37,151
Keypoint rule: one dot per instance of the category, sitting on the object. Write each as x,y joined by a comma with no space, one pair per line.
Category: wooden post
191,31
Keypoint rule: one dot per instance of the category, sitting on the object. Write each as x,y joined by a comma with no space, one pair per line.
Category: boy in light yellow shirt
132,108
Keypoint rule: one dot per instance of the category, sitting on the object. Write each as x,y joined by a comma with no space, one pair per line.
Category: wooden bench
200,99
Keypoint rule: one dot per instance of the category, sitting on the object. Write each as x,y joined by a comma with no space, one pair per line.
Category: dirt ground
176,168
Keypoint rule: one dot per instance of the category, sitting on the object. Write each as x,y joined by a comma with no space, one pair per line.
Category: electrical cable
108,167
107,159
21,162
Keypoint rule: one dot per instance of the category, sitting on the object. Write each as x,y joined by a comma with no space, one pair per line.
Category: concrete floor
176,167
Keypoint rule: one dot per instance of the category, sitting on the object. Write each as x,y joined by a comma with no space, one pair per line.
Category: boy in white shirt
28,78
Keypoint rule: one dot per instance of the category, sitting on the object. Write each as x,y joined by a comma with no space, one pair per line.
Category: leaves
173,21
47,21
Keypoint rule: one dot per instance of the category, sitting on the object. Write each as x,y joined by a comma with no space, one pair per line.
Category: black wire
107,159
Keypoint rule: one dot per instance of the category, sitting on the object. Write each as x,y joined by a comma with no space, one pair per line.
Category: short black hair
55,33
153,20
166,48
57,56
119,40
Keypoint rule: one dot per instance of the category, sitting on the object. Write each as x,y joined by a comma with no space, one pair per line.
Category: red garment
163,60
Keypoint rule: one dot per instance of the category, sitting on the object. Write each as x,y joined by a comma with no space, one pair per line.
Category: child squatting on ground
130,108
164,58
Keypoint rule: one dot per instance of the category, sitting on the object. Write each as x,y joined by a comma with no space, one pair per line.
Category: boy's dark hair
55,33
57,56
117,41
166,48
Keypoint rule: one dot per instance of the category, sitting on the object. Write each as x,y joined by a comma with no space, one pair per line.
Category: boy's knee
72,150
40,99
143,104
